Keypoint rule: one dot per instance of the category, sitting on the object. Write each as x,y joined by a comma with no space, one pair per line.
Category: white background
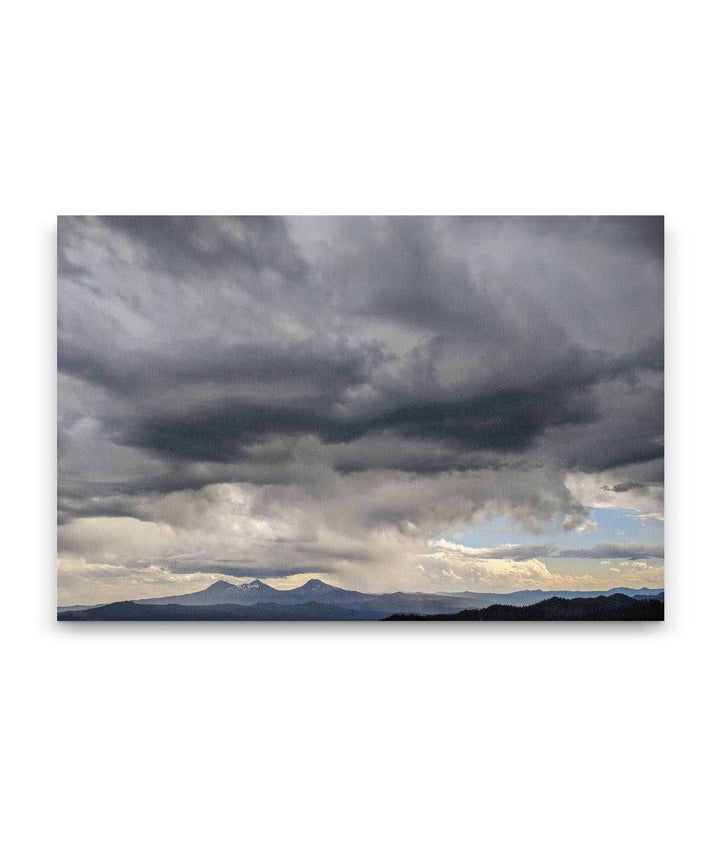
366,739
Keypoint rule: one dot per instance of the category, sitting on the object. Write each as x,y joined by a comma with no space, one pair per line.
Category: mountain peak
220,585
254,585
316,585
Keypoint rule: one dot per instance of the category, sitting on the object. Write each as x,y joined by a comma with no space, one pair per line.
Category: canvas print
360,418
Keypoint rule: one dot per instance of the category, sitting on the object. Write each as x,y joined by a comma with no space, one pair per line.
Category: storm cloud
359,385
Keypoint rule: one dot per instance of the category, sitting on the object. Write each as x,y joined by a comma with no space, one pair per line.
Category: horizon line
374,594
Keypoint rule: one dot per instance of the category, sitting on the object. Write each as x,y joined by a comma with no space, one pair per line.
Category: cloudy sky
385,403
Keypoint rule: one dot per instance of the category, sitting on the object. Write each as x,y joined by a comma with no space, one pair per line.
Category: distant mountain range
318,601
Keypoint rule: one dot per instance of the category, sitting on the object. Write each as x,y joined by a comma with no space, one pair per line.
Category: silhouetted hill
478,600
615,607
130,611
660,596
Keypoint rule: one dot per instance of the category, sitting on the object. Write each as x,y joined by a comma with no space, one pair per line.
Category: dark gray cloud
205,245
613,550
353,363
248,569
641,487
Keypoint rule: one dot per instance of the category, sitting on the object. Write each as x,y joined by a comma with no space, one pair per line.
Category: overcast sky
385,403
